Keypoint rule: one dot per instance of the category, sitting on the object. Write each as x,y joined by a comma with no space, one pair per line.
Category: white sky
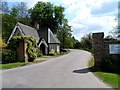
86,16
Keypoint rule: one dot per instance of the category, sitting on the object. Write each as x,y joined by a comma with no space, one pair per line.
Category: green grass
18,64
109,78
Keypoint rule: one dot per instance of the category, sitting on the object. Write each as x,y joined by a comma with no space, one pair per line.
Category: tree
77,44
14,12
86,42
64,35
5,9
8,23
22,9
20,13
0,6
47,15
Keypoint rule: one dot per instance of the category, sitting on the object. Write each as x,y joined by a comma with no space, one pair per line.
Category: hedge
8,56
31,45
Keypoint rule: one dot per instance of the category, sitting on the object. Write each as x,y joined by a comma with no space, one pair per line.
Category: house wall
55,47
17,32
43,33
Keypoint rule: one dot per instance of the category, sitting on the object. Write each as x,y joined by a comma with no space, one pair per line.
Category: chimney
36,25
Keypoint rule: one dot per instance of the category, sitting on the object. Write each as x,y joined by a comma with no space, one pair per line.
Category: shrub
39,54
31,45
8,56
110,64
52,53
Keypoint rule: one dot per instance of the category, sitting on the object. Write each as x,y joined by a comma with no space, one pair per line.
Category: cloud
106,7
87,16
93,16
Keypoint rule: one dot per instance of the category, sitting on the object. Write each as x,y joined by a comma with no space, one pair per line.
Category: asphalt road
68,71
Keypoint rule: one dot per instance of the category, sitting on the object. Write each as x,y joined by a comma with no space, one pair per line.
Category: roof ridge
25,25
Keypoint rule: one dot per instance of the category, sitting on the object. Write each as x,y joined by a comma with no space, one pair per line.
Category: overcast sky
86,16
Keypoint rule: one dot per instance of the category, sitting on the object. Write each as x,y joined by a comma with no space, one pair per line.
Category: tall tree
0,6
8,23
86,41
114,34
22,9
47,15
20,12
64,34
5,9
14,12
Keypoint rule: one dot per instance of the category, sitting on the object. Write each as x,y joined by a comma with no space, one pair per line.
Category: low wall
104,48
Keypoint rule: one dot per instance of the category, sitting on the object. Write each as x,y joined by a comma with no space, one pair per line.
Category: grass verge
109,78
18,64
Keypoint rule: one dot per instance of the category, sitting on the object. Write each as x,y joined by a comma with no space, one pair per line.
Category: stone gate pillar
98,43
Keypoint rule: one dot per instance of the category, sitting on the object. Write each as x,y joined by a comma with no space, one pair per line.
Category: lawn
18,64
109,78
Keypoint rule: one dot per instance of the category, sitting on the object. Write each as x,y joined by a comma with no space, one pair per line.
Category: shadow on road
92,69
86,70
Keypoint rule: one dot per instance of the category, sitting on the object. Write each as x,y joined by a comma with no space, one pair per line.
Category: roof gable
25,30
29,31
52,38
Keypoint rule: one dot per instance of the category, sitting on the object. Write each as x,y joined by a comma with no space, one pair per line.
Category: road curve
54,73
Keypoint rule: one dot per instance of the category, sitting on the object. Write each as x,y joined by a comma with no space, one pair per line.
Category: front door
42,49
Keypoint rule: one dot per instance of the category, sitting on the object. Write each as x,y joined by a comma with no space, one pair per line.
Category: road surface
57,72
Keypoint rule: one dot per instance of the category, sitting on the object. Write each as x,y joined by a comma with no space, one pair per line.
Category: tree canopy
8,23
47,15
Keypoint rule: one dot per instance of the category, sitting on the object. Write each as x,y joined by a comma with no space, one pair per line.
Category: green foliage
52,53
39,54
18,64
110,64
31,45
109,78
64,35
76,43
14,12
25,20
2,43
115,32
86,42
8,23
91,62
8,56
47,15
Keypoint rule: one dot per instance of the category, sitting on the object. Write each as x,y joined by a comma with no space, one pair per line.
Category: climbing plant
31,45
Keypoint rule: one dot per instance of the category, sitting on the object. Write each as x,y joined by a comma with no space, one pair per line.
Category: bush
52,53
39,54
110,64
31,45
8,56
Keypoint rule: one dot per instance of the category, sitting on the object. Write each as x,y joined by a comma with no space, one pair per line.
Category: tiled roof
29,31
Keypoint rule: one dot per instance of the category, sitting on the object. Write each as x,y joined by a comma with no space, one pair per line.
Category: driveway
60,72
